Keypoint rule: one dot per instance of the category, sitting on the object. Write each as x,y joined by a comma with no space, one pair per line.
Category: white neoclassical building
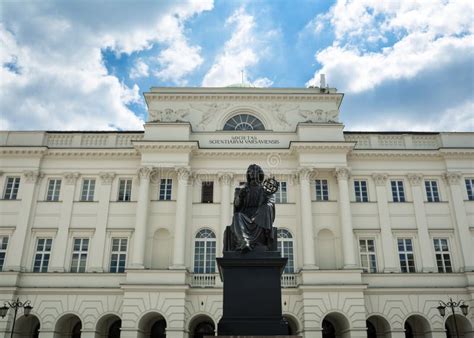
114,234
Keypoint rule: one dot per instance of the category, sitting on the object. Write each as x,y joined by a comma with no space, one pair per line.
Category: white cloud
429,34
242,51
52,72
262,82
139,69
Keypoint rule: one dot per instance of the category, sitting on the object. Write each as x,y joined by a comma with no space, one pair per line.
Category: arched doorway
202,326
27,327
108,326
68,326
335,325
292,325
378,326
417,326
152,325
463,326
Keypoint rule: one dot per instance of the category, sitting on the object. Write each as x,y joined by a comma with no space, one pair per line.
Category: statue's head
255,174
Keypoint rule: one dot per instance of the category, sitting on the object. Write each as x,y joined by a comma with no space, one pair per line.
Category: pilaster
97,249
179,248
225,181
342,175
388,249
141,218
29,194
462,227
309,261
427,257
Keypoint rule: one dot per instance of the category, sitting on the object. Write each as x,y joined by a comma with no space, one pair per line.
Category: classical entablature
209,109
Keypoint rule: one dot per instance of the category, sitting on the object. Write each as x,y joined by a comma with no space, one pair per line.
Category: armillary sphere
271,185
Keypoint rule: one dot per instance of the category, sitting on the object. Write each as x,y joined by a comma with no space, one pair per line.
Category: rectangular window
166,185
118,256
470,188
3,250
79,254
125,190
368,259
443,255
88,188
54,187
432,193
405,253
281,194
321,190
207,192
398,192
43,252
11,188
360,189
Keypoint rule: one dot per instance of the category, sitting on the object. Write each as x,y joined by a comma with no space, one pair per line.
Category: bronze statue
254,213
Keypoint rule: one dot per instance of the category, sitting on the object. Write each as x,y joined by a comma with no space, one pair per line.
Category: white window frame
321,194
442,253
405,252
360,197
281,196
399,194
88,190
43,252
128,183
289,269
55,184
3,250
81,252
165,189
118,252
210,244
469,183
430,187
15,187
368,254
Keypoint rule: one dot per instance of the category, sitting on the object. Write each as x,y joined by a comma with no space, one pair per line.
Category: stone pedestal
252,294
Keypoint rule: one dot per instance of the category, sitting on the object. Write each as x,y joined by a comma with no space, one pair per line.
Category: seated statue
254,213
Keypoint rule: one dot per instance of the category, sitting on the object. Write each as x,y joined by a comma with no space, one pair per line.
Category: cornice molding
457,152
102,153
236,153
22,151
166,145
389,153
322,146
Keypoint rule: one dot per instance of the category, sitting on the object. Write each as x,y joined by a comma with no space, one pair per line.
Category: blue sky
84,65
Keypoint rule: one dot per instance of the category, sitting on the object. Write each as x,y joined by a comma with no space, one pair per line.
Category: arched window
244,122
205,252
285,246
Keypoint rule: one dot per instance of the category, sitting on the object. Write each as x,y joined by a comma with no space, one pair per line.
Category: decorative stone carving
106,178
144,172
415,179
167,115
342,173
183,173
279,111
32,176
225,178
452,177
319,115
71,178
209,112
380,179
305,174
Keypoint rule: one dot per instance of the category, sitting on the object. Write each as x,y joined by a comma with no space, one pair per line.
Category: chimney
322,83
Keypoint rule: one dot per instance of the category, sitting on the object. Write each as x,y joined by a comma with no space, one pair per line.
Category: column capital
183,173
305,173
342,173
225,177
415,179
32,176
71,178
452,177
380,179
106,177
144,172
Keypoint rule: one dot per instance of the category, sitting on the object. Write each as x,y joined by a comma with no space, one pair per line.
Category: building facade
115,233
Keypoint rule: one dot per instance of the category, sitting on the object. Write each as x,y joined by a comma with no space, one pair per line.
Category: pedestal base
252,294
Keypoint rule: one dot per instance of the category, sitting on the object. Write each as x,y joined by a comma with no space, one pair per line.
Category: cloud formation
52,68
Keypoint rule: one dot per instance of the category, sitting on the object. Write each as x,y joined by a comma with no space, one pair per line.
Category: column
58,256
462,225
342,175
426,246
29,194
98,242
309,262
388,248
225,180
141,218
179,248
